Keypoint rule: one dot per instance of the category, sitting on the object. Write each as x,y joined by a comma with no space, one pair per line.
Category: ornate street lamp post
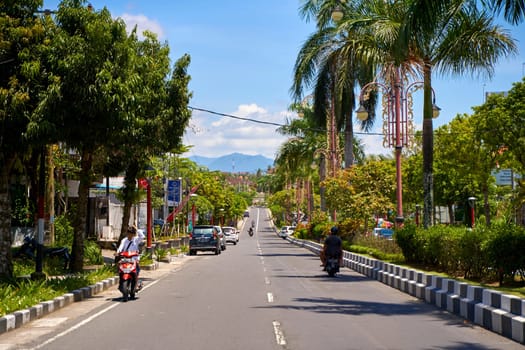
397,122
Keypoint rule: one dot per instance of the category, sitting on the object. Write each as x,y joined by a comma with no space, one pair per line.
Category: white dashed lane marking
279,336
270,297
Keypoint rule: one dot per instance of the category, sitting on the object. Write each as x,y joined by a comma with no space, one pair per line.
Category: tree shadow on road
360,307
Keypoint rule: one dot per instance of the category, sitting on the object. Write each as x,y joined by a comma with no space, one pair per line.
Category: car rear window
203,231
227,230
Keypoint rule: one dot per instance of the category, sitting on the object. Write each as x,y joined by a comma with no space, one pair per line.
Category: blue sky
242,58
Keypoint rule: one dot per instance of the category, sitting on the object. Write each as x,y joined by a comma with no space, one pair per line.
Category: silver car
230,234
286,231
222,238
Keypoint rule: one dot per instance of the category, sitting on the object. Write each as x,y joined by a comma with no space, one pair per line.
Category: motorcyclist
132,243
333,247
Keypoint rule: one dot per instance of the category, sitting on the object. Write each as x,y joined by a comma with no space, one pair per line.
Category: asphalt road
264,293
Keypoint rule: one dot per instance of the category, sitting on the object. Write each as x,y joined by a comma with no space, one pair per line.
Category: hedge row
486,253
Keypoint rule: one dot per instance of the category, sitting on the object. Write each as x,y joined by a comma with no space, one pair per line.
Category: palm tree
412,37
513,10
452,36
327,65
296,155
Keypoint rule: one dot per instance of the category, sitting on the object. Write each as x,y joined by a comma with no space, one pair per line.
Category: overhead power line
266,122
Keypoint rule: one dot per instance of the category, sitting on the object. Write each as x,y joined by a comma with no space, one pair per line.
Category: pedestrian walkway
148,274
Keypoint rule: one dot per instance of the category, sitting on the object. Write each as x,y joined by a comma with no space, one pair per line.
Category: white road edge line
86,321
279,336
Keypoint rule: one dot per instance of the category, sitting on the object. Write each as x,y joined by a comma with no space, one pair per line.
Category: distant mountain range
235,163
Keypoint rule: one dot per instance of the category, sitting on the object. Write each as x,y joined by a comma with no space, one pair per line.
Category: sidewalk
147,274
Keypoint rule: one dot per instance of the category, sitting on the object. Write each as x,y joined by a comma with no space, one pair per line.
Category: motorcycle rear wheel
125,289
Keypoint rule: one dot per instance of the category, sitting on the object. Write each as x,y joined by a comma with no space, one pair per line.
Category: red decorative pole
398,117
193,214
148,214
472,204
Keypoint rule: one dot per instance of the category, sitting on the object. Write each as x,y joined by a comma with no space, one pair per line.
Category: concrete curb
497,312
19,318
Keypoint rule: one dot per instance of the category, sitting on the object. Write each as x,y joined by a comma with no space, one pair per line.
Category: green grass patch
22,293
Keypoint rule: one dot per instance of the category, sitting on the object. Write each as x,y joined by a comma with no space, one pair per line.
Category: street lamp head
337,13
435,111
361,113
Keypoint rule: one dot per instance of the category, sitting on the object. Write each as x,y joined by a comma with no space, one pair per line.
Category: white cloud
143,23
213,136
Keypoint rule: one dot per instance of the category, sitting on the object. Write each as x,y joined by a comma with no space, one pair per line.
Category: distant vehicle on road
230,234
246,214
204,238
286,231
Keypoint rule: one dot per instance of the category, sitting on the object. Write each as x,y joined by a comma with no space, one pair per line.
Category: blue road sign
174,192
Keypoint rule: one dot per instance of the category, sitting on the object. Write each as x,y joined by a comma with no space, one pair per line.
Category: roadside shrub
23,267
439,246
472,252
92,253
301,233
161,253
505,249
408,240
63,232
396,258
382,244
443,247
348,229
21,294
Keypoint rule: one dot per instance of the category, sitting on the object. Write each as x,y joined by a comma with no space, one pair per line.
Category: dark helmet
334,230
132,230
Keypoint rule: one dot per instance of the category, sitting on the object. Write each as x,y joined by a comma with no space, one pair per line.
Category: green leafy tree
463,164
24,41
363,191
156,118
91,56
497,125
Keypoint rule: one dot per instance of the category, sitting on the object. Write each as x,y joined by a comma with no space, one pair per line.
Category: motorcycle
29,250
250,231
127,271
332,266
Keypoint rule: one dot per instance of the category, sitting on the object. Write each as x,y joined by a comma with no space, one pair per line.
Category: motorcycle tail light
127,269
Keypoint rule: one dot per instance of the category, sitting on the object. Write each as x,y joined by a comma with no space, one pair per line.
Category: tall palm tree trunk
428,147
322,177
349,142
